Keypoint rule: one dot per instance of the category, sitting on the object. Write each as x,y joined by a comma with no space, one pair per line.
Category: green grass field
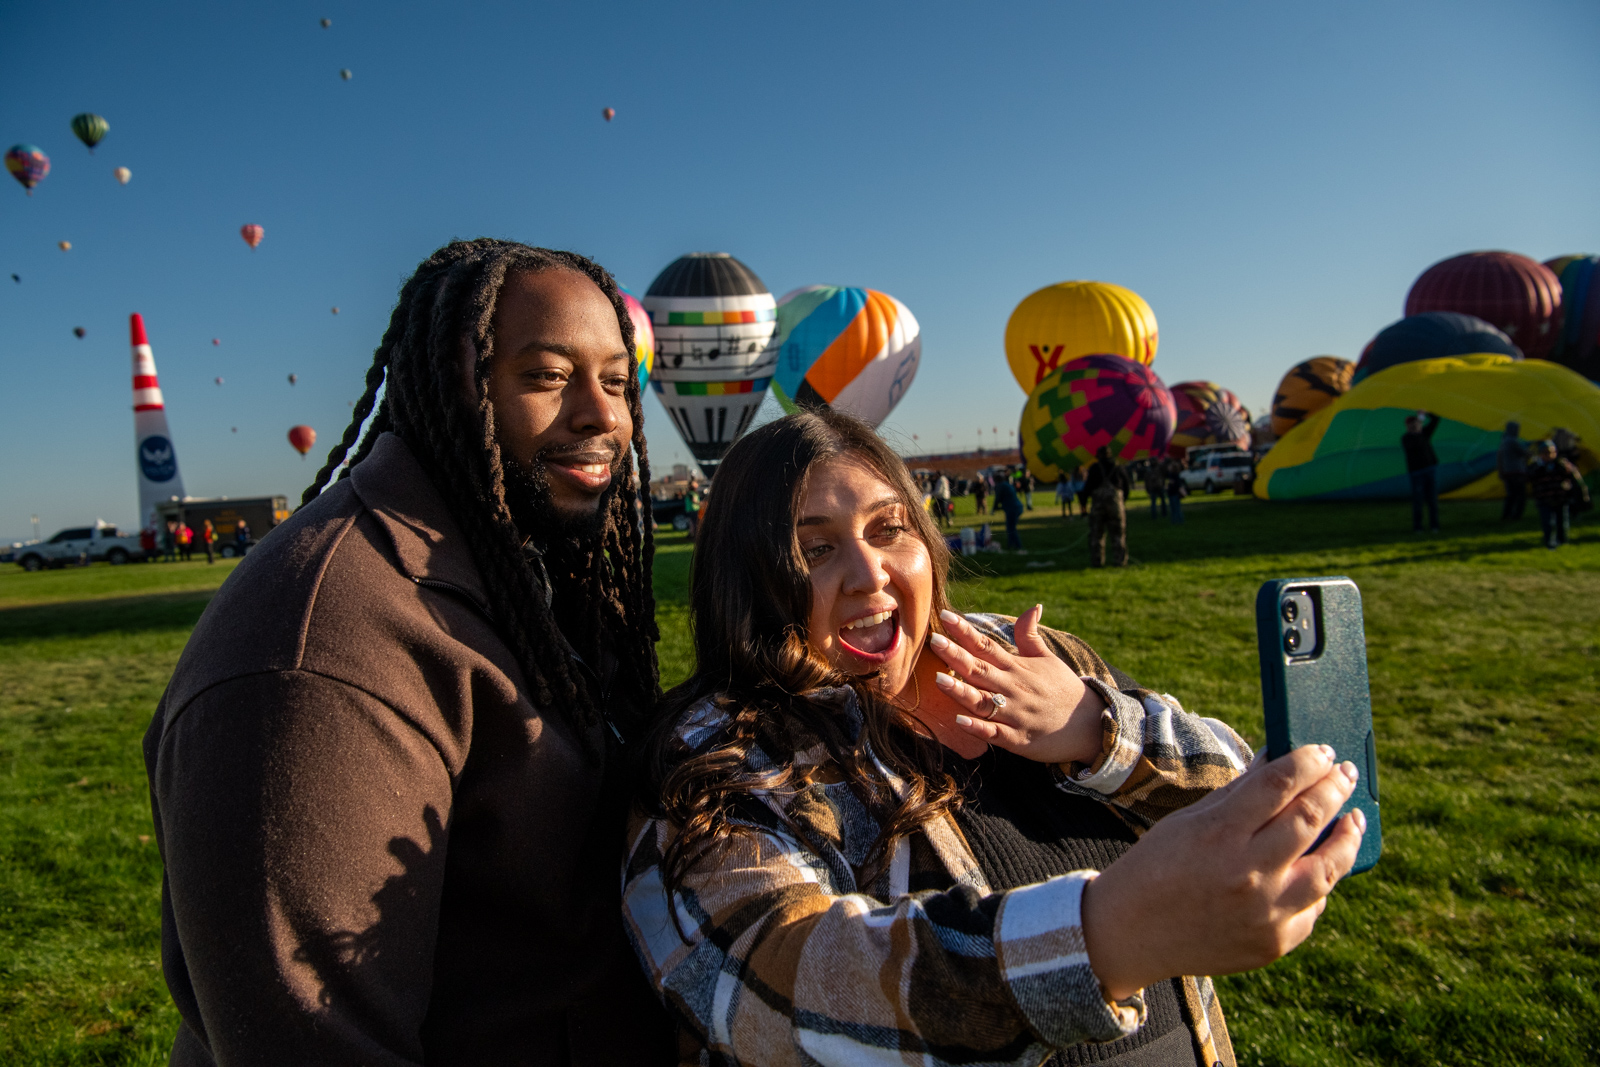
1473,941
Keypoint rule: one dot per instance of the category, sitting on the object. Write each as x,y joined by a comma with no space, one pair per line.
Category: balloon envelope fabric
1350,450
1070,319
1514,293
644,335
1308,387
1580,309
1208,414
1432,335
1090,402
854,349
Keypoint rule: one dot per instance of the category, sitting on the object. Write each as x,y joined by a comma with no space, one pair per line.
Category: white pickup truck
77,543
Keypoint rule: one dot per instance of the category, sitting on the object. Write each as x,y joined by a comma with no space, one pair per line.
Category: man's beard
535,512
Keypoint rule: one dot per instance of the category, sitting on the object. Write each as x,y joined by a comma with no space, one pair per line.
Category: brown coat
378,850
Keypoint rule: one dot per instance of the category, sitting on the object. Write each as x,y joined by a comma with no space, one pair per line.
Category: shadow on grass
86,618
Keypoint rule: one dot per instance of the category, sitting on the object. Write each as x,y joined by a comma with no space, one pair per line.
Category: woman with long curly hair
873,830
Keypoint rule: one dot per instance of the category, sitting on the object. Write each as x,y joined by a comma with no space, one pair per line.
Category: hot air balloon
713,321
345,74
1513,293
1309,386
336,309
122,174
17,278
293,378
28,164
326,23
65,246
252,234
853,349
90,129
302,438
217,380
1208,414
1070,319
1093,402
1578,343
1350,450
1431,335
216,340
609,113
235,429
79,331
644,335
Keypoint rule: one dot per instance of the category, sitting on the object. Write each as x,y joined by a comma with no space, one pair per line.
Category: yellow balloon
1070,319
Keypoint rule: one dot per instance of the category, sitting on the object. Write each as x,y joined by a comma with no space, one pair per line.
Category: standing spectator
148,542
185,540
1176,489
1512,463
1025,480
1075,492
1064,494
169,543
691,506
208,534
980,494
1556,486
1006,500
1423,466
1155,483
1108,486
241,536
941,499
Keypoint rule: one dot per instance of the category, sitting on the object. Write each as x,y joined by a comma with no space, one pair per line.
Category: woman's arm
781,965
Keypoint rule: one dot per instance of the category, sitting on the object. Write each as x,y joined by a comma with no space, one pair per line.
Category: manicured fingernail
1361,820
938,641
962,720
945,681
1350,771
949,618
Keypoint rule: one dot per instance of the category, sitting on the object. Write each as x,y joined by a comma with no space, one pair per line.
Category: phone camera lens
1291,641
1291,611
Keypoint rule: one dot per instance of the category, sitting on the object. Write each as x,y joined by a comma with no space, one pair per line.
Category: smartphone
1314,684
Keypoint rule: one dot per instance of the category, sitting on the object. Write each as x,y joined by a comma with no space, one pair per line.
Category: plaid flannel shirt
788,958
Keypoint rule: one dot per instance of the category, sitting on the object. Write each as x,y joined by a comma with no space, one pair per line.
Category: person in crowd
876,831
185,540
241,536
388,775
1064,494
980,494
148,541
941,499
170,542
1556,486
1010,505
1155,484
1177,489
1025,485
1512,464
208,537
1108,486
691,506
1423,467
1075,487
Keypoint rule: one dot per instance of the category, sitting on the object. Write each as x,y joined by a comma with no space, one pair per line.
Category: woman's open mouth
873,637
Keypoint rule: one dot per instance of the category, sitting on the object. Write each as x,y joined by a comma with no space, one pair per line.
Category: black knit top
1023,830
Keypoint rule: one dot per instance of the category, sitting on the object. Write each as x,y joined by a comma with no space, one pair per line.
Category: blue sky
1270,177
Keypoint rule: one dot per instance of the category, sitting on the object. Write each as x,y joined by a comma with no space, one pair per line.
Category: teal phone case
1321,696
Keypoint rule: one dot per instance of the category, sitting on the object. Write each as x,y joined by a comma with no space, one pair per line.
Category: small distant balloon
293,378
326,23
302,438
216,340
122,174
236,429
28,164
65,246
336,309
610,113
252,234
78,331
90,128
17,278
217,380
345,74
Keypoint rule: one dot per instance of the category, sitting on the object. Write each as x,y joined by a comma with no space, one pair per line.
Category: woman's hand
1047,713
1225,885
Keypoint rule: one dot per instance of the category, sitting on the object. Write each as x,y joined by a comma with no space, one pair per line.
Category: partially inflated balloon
1208,414
90,128
1431,335
1513,293
252,234
1090,403
1308,387
28,164
1350,450
644,335
1070,319
855,350
302,438
122,174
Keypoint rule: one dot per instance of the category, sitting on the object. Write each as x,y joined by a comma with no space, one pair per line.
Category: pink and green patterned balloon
28,164
1093,402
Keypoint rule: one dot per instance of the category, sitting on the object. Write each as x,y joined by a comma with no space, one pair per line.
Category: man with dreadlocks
388,775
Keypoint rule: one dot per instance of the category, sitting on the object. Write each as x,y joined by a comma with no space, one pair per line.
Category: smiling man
388,774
